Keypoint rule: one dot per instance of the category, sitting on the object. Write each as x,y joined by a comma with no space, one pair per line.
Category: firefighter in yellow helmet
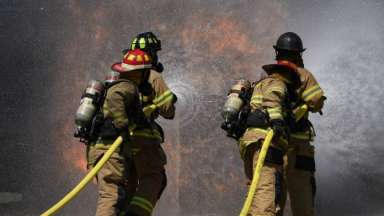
299,164
149,43
131,180
157,97
269,108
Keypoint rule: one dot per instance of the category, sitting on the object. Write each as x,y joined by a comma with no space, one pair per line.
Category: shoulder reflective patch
278,89
257,99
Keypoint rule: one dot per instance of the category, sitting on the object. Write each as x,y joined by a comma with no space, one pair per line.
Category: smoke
57,46
344,54
353,142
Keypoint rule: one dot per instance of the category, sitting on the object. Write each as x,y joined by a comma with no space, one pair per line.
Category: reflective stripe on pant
300,180
149,164
268,190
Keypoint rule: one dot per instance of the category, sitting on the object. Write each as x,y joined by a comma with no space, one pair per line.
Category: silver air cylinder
234,103
87,108
111,77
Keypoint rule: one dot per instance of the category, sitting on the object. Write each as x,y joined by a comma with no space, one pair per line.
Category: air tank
111,77
234,102
88,105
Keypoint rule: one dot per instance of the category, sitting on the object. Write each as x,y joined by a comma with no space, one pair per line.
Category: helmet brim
124,68
119,68
295,50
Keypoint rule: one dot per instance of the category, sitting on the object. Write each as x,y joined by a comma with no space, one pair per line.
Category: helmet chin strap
144,86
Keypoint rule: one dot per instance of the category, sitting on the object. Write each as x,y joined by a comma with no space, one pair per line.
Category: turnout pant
132,180
266,201
299,169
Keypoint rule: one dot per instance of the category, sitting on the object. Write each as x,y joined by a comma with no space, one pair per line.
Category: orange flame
218,35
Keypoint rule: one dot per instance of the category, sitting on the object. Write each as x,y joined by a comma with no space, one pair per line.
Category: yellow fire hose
85,180
256,173
299,113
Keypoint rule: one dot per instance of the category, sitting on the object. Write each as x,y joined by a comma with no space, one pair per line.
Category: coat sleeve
313,94
118,100
164,98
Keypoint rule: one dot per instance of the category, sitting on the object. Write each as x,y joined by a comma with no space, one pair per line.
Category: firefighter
269,108
299,167
148,42
131,180
157,99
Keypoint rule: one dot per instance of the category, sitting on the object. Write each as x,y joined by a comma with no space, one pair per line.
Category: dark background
50,49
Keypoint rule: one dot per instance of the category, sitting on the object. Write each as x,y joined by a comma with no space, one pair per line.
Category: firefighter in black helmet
289,41
290,47
299,162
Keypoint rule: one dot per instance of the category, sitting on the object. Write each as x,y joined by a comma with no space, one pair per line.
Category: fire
218,34
81,164
74,155
238,47
73,152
